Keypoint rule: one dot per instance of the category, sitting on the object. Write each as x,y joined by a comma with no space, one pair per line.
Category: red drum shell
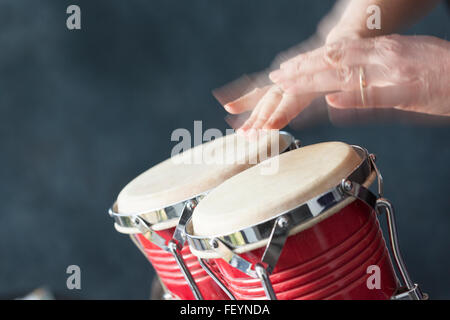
326,261
168,271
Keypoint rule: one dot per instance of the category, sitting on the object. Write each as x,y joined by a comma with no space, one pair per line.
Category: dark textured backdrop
83,112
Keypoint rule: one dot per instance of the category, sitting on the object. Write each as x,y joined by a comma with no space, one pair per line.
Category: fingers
263,109
335,55
276,110
375,97
289,107
247,102
346,79
314,57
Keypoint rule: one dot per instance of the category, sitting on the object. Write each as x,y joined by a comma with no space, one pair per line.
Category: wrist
340,33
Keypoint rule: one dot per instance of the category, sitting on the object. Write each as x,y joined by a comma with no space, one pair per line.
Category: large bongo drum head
325,251
196,171
160,194
251,197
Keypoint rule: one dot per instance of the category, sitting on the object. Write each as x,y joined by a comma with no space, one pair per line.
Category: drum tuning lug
175,245
111,211
347,185
140,225
297,143
148,233
214,244
283,222
191,204
373,157
172,245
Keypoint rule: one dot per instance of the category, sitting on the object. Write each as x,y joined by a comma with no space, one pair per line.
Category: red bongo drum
308,231
149,207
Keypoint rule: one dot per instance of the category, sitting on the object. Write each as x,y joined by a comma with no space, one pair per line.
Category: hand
403,72
272,109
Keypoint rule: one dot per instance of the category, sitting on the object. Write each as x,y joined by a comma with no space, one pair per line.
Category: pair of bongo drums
298,224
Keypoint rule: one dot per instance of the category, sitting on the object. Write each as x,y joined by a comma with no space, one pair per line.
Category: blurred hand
403,72
272,109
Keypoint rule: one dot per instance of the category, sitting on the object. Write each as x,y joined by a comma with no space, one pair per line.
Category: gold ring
362,85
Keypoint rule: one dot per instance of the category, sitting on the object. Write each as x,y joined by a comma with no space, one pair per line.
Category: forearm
394,15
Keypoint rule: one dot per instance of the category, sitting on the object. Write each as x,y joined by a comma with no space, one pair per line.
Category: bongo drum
308,231
149,207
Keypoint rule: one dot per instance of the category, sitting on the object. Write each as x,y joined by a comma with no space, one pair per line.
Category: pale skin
403,72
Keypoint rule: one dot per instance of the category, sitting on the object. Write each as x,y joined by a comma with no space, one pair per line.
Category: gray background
83,112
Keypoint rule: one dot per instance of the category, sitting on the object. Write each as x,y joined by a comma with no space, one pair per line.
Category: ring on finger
362,85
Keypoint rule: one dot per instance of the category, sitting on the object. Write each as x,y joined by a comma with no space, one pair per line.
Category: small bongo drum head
251,197
196,171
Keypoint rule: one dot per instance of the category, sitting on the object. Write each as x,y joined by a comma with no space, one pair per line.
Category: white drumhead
252,197
196,171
